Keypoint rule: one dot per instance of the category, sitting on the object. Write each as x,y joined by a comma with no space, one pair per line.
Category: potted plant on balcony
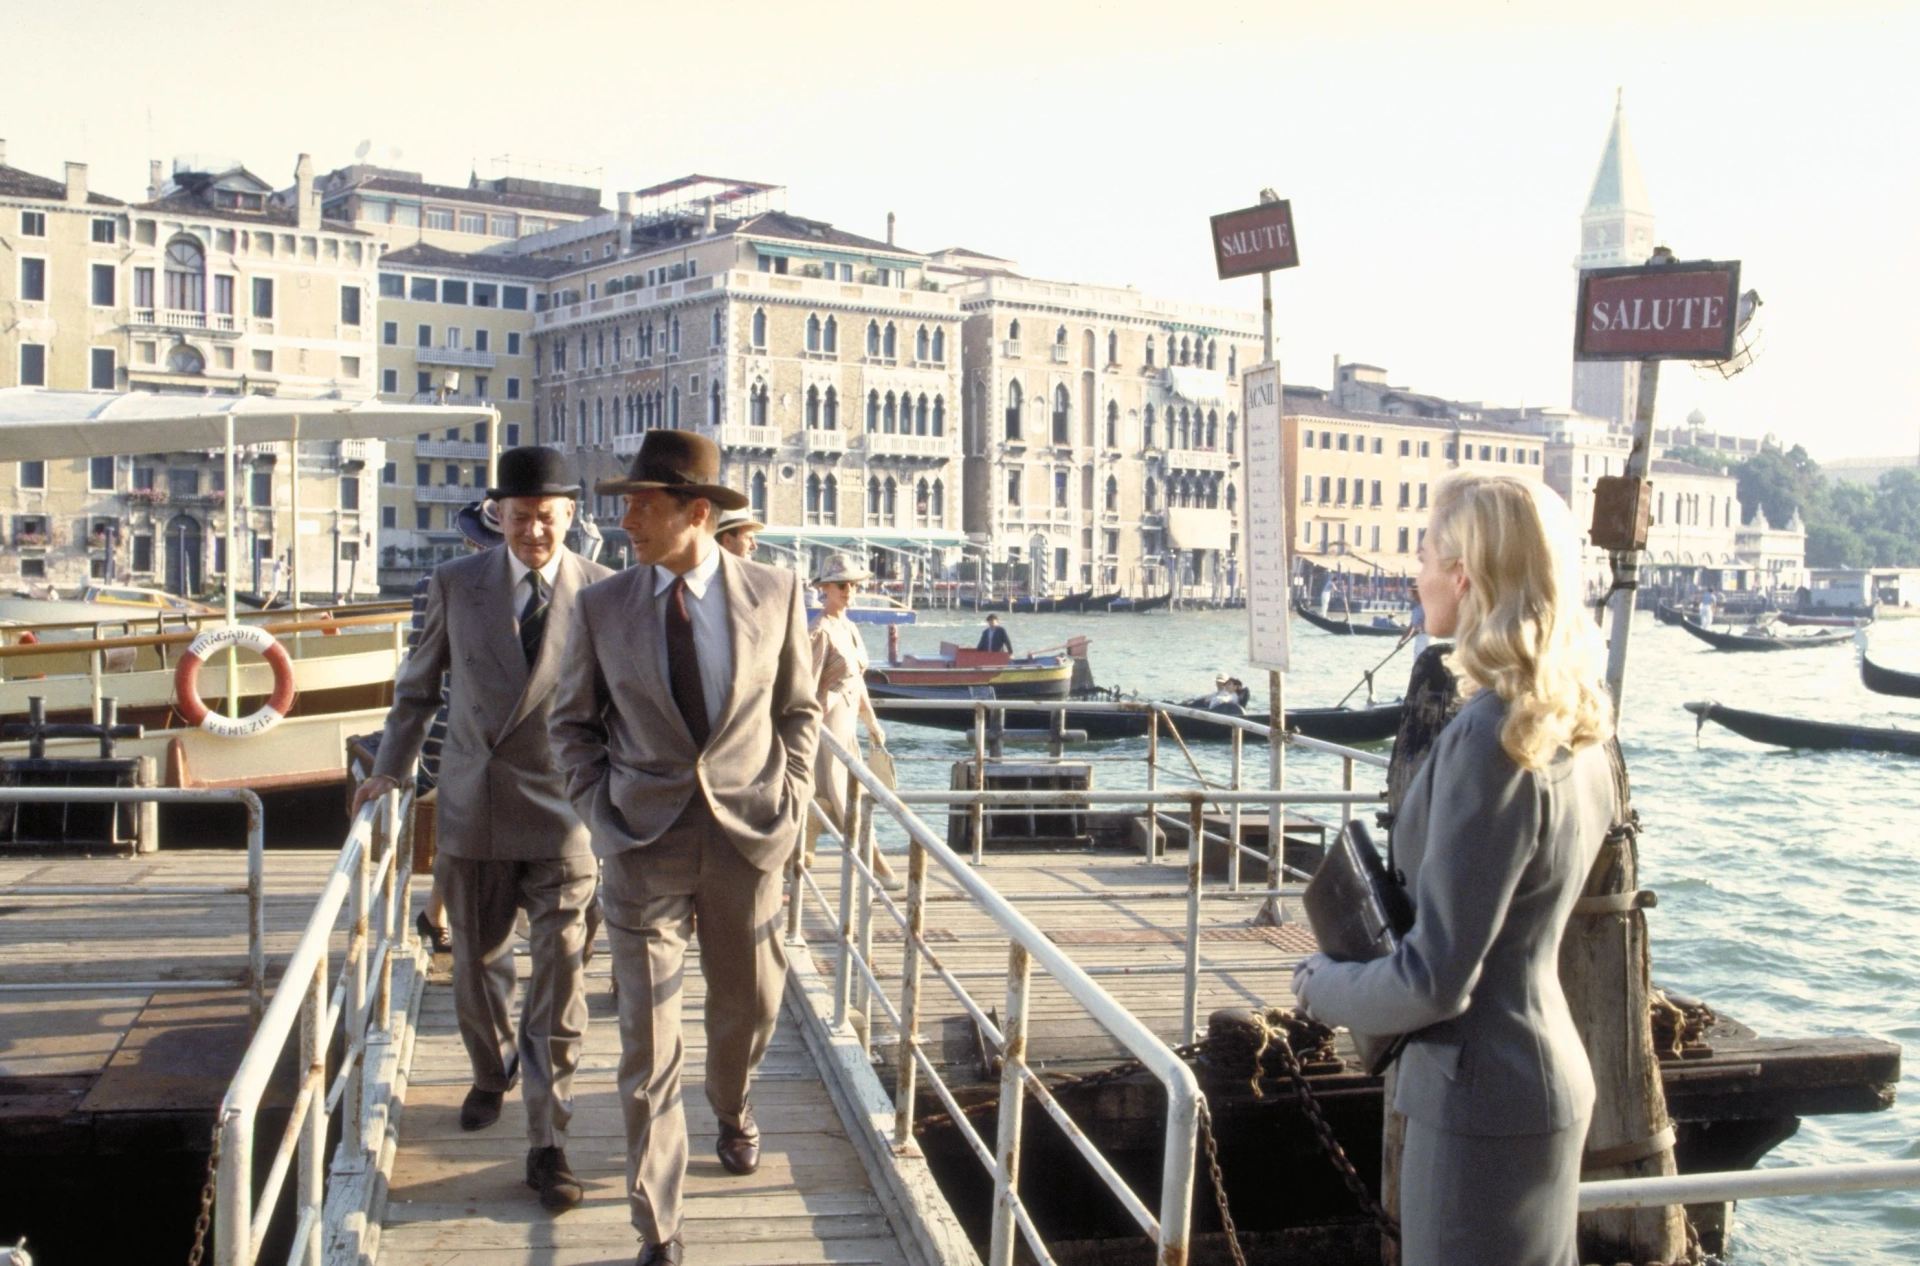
147,496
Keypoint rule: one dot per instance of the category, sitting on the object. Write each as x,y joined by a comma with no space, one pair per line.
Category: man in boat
994,638
735,532
508,838
686,722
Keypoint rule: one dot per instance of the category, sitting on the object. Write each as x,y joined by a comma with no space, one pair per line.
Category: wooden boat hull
1823,621
1140,606
1746,642
1888,681
1780,731
1009,681
1345,628
1332,725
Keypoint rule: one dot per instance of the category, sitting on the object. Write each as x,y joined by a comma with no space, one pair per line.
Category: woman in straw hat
840,680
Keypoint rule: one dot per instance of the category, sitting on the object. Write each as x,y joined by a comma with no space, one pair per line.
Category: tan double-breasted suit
682,827
508,835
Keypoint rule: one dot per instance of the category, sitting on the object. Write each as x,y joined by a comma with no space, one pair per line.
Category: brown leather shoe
481,1108
666,1253
739,1145
548,1174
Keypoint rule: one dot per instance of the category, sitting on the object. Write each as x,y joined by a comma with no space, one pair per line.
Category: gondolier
507,837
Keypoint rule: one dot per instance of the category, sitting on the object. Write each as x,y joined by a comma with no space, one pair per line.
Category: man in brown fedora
685,722
508,839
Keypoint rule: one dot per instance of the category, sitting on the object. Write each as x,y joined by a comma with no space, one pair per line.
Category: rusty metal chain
1219,1184
1329,1144
204,1222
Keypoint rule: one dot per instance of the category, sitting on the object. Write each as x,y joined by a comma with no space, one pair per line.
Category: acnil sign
1682,311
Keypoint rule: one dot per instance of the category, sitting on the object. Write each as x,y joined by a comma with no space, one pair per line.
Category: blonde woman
1496,836
840,680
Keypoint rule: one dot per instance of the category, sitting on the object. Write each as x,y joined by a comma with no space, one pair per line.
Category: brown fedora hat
677,461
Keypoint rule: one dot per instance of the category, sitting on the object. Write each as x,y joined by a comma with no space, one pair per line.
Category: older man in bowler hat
496,622
686,723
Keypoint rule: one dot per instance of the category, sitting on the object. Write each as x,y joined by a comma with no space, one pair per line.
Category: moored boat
1888,681
1380,627
1139,606
1761,640
1823,621
1763,727
1045,676
1373,724
871,608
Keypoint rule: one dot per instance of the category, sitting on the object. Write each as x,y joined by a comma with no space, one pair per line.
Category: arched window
1213,428
1113,495
1060,337
939,415
939,506
1113,424
940,347
1179,439
1013,487
1213,347
919,415
922,344
600,420
830,337
1233,360
920,503
888,418
813,408
873,499
186,275
1062,413
1146,428
1186,350
1113,347
713,403
1149,494
1086,349
890,500
873,338
1149,351
1013,330
873,411
830,499
1213,494
813,332
1014,401
830,416
1233,428
1230,498
813,498
633,415
713,334
673,408
760,327
890,342
757,412
757,495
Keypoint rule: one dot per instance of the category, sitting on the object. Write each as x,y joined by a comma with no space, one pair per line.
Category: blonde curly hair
1521,630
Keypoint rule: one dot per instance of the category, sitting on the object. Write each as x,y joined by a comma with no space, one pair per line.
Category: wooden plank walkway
459,1199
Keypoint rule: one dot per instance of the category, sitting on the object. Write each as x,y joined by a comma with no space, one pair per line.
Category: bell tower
1616,231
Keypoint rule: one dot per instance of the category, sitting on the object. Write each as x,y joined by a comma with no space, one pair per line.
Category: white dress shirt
712,639
523,588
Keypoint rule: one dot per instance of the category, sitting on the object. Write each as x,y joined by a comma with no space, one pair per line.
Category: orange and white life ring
186,682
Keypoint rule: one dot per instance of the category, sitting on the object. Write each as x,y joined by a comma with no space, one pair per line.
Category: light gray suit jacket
1495,856
501,797
631,765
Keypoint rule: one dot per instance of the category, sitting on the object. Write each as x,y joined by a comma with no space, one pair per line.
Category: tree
1781,483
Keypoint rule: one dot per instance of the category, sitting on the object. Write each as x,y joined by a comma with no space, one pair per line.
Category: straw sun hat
841,568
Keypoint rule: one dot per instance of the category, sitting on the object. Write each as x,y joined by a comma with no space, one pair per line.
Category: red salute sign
1258,239
1667,312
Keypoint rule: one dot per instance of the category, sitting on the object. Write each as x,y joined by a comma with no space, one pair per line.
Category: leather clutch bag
1359,912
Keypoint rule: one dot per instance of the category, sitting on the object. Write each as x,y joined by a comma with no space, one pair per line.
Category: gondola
1332,725
1050,605
1888,681
1139,606
1764,641
1669,615
1346,627
1824,621
1762,727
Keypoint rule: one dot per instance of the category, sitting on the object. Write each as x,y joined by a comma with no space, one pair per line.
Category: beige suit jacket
630,763
501,797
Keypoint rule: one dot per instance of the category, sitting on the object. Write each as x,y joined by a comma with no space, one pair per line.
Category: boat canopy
39,425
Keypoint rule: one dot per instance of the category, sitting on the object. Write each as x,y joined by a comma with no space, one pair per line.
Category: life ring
186,682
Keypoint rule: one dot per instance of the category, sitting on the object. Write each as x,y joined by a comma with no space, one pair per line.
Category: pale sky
1437,155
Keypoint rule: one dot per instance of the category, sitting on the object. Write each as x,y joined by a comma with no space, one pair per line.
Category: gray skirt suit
1495,1083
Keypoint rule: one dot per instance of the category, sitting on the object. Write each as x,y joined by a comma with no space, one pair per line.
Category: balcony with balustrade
814,440
213,323
450,450
934,447
454,357
735,436
446,494
1198,459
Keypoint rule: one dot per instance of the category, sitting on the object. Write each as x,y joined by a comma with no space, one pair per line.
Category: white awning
38,425
1200,386
1200,529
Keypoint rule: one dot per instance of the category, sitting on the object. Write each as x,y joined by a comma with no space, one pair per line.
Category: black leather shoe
438,940
481,1109
547,1173
739,1145
666,1253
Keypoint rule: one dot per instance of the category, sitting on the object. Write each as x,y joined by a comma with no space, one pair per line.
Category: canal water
1789,882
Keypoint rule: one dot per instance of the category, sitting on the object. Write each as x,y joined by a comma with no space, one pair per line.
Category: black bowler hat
533,471
677,461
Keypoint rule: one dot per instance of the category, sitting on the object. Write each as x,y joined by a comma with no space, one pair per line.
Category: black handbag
1359,912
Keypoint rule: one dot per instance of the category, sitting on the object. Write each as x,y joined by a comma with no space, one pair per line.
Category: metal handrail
254,888
137,640
1748,1184
1029,946
371,879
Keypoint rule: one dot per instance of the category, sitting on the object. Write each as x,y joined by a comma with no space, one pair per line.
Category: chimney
306,207
1336,378
889,228
626,221
76,183
709,225
3,151
154,183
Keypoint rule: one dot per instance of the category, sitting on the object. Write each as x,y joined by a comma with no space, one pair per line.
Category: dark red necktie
683,663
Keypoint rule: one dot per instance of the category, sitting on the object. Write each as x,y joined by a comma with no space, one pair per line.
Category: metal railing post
1233,819
1153,780
978,813
863,1001
256,912
797,880
386,840
1196,865
1177,1159
233,1191
311,1176
353,1009
1013,1092
904,1088
1346,784
843,972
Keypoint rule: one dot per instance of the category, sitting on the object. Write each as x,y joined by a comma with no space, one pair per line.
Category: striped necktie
533,617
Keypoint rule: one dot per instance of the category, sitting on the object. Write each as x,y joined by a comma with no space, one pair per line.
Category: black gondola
1756,641
1669,615
1346,627
1139,605
1888,681
1332,725
1763,727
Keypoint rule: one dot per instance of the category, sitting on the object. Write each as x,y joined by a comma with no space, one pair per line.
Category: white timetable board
1266,520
